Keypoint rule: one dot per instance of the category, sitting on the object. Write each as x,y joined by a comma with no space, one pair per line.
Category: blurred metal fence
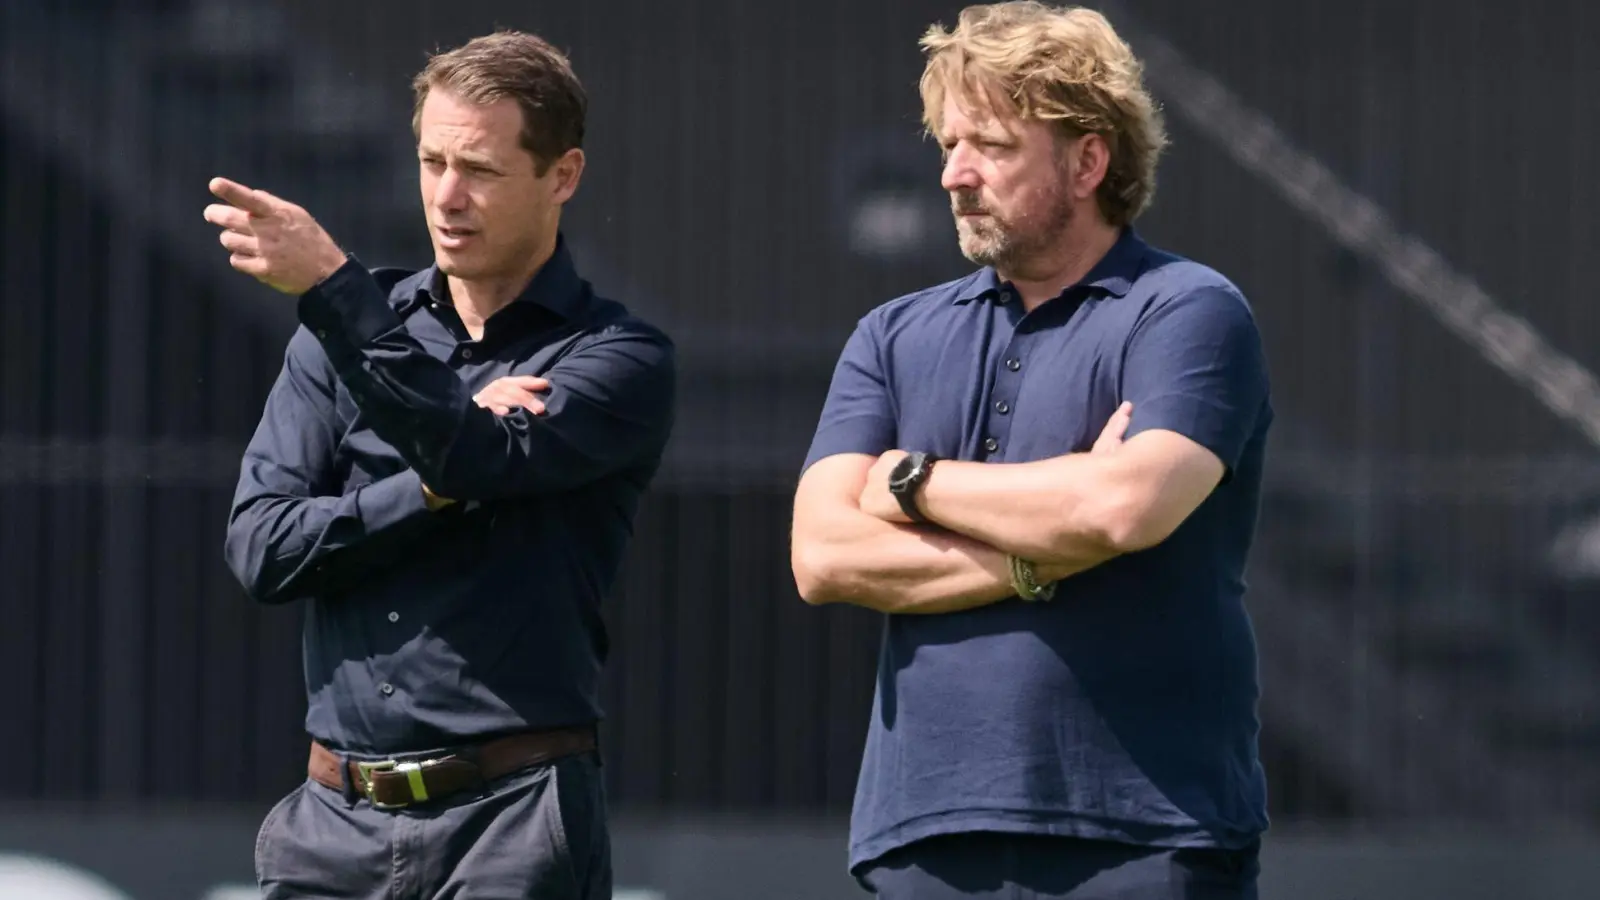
1424,585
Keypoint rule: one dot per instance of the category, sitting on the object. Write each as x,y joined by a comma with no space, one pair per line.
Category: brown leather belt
409,780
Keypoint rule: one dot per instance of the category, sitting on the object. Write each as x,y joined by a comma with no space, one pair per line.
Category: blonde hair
1063,65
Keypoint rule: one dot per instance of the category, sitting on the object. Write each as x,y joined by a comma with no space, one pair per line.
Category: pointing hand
272,239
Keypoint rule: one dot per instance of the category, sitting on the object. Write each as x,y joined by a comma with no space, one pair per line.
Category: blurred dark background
1424,581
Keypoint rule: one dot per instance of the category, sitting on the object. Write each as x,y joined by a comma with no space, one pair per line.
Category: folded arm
1079,510
290,533
842,555
1195,374
610,404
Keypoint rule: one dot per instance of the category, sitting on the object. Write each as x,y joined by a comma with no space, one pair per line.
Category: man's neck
1078,251
476,300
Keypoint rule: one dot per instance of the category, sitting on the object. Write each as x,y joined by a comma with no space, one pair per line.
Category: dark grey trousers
1041,867
539,833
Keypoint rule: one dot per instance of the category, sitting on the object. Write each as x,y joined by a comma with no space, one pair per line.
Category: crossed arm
841,554
1196,383
852,544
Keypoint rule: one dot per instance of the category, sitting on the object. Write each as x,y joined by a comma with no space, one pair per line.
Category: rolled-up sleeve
610,407
858,414
291,533
1195,366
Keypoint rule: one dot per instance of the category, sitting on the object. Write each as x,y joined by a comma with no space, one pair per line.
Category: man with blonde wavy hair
1047,475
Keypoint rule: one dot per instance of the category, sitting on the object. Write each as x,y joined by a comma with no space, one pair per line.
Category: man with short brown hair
447,472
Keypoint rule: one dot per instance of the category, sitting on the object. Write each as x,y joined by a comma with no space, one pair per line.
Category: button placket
1001,403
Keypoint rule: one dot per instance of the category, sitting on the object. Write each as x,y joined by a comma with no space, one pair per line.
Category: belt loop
346,786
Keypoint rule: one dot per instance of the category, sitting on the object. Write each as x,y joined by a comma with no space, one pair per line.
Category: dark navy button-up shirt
1124,709
426,629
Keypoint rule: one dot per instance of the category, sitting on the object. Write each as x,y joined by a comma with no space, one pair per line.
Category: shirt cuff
348,307
390,501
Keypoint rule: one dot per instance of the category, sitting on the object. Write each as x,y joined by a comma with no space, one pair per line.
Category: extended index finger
1119,421
1115,427
251,201
225,216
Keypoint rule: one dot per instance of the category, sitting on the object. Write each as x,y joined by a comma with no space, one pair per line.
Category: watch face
901,473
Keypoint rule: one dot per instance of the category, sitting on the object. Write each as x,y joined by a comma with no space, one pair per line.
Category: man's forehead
964,114
450,118
467,143
455,138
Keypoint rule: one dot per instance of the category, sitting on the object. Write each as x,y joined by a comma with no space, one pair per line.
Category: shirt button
1002,407
991,445
1013,364
394,617
321,335
467,353
386,689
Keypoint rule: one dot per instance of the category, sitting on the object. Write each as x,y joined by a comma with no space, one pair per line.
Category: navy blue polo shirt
429,629
1125,709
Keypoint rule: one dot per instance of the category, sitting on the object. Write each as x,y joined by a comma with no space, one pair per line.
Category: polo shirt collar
1114,274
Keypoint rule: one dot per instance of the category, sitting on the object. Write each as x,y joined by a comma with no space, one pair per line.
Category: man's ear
567,170
1088,157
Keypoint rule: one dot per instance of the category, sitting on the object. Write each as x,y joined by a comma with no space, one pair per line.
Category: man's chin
455,265
980,252
980,245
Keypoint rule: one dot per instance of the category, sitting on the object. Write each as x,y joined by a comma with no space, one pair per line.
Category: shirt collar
556,286
1114,274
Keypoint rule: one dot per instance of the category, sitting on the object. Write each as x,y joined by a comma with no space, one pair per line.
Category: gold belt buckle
413,771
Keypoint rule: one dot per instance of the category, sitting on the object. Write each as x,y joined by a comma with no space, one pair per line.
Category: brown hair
1065,65
520,66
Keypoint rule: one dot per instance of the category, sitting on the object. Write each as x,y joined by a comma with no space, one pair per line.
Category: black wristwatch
906,478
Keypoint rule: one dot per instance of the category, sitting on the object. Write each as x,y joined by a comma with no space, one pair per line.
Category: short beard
1011,245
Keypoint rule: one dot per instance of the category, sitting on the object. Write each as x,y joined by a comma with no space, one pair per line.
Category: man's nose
958,173
450,194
